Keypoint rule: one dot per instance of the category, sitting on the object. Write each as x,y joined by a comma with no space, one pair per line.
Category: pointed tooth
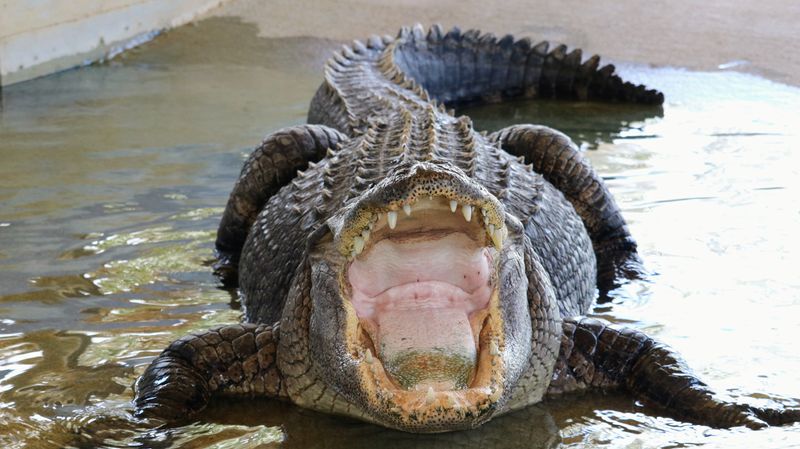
497,238
430,396
365,234
493,348
391,217
407,209
467,211
453,206
368,356
491,229
353,254
358,244
450,401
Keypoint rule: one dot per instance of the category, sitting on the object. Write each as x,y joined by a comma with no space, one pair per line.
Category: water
113,179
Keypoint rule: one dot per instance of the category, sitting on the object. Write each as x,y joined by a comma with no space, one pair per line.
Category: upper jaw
401,194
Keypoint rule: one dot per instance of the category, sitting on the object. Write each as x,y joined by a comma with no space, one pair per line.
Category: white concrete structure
38,37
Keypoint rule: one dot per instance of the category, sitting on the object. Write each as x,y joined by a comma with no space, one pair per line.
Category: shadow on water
588,124
113,179
531,428
260,423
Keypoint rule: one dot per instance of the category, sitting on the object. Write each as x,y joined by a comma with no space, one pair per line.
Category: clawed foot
238,359
170,390
760,417
226,270
626,269
660,376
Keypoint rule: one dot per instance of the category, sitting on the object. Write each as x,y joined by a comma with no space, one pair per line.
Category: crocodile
399,267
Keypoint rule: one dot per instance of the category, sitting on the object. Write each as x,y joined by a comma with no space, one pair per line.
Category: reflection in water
112,181
59,378
45,377
586,123
253,423
531,428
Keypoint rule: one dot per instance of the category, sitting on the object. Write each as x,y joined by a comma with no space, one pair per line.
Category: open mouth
422,281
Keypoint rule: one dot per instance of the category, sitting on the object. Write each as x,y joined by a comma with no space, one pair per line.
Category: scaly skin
383,143
237,360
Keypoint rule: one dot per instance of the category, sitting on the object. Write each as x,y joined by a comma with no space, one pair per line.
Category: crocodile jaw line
421,282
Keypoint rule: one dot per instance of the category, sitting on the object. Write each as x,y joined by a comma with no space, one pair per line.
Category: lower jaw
439,411
426,348
449,408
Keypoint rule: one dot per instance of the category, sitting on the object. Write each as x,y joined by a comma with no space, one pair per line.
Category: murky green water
113,178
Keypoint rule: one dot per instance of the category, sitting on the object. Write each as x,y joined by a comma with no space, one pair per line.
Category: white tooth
358,244
467,211
450,401
453,206
491,229
493,348
353,254
371,225
430,396
365,234
497,238
368,356
391,217
407,209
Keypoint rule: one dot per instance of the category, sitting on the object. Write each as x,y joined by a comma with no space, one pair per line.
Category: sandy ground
752,36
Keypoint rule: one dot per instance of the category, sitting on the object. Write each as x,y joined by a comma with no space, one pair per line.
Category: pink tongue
427,347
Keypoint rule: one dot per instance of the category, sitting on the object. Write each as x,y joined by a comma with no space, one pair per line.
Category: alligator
399,267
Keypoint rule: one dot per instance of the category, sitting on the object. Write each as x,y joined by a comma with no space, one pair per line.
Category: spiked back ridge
389,95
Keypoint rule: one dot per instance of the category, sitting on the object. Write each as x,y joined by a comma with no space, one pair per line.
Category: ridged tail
459,67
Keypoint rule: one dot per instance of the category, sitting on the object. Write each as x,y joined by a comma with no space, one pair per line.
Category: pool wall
39,37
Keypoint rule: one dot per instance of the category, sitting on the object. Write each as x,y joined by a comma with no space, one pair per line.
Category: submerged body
421,275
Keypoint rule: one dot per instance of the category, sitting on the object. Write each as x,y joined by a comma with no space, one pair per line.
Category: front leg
272,165
556,157
235,360
595,354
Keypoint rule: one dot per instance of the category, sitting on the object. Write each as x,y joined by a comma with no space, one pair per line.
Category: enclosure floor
756,37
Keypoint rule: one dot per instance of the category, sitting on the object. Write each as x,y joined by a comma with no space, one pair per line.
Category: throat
421,302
